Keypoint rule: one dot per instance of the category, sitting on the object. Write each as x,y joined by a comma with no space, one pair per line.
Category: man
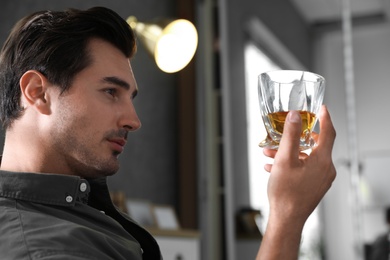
67,92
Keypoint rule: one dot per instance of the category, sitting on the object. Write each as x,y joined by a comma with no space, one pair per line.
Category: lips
117,144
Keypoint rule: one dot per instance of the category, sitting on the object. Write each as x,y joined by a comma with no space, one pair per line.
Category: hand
296,185
298,181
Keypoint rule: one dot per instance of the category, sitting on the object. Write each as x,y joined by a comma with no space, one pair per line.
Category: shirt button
83,187
69,199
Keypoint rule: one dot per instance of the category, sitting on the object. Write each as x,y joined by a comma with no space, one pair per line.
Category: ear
33,86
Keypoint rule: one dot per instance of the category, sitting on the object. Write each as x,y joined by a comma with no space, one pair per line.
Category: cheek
69,119
83,118
75,131
74,111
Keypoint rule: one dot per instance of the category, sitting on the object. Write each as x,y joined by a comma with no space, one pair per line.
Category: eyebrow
119,82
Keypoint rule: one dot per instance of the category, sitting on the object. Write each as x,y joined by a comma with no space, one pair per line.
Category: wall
371,69
148,165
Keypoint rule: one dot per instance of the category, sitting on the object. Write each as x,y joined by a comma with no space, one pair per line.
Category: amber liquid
277,121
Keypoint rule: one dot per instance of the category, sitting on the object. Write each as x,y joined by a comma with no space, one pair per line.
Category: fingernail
293,116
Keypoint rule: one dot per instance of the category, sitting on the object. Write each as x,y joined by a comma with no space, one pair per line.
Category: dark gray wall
148,165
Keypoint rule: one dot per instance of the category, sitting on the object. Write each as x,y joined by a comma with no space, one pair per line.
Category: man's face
91,120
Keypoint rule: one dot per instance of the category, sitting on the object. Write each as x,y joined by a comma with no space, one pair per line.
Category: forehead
108,61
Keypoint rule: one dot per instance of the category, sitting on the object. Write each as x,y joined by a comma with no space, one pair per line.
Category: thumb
289,144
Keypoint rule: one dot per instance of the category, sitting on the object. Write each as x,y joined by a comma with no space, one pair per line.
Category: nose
129,119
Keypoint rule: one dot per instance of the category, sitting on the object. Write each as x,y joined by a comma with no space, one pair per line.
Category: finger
315,135
303,156
269,152
289,145
268,167
327,132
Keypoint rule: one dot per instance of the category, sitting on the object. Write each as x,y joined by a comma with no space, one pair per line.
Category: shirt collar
53,189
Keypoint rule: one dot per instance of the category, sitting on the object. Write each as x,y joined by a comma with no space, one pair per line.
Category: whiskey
277,120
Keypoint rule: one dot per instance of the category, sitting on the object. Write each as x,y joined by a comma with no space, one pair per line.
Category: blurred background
197,149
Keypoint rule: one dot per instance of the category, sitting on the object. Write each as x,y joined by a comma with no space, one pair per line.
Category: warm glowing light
172,44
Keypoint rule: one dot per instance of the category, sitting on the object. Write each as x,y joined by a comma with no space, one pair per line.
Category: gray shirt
52,216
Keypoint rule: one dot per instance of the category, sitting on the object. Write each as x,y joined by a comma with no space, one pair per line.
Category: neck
23,151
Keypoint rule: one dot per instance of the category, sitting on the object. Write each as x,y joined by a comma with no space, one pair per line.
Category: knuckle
334,133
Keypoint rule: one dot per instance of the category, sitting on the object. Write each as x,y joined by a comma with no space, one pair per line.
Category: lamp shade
172,43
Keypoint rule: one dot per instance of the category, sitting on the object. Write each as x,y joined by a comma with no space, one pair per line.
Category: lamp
172,43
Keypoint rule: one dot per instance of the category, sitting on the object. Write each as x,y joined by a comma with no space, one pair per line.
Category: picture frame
141,212
165,217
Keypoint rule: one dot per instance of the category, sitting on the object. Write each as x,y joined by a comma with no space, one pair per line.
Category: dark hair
55,44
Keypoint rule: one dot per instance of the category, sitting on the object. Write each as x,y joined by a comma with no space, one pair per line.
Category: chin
106,169
110,173
100,173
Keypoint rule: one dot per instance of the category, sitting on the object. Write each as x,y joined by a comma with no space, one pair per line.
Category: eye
111,91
